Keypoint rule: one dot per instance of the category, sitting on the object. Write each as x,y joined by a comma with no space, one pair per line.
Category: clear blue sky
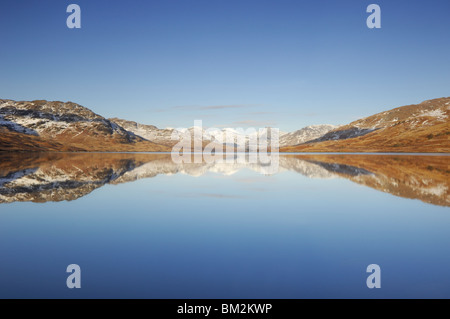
228,62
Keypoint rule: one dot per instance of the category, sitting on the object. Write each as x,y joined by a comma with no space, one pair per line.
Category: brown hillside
422,127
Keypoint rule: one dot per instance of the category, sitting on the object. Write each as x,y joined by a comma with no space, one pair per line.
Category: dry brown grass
12,141
431,139
403,129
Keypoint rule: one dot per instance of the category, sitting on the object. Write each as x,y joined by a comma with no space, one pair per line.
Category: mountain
148,132
164,136
167,137
14,141
305,134
63,126
420,127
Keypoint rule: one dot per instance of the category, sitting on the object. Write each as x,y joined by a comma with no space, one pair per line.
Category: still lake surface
142,226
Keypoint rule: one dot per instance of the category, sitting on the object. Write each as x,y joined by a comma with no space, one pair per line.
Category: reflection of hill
56,176
308,169
68,176
418,177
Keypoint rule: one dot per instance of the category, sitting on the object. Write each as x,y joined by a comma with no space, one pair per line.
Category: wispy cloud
219,107
310,114
253,123
213,195
249,180
200,194
260,113
204,107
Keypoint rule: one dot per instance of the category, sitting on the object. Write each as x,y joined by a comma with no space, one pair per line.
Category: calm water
141,226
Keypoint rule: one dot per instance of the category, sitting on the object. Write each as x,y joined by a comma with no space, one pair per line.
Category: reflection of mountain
418,177
67,176
56,176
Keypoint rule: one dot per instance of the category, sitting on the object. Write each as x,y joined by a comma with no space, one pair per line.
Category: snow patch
434,113
438,190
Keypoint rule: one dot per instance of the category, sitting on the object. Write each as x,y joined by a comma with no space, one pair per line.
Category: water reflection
43,177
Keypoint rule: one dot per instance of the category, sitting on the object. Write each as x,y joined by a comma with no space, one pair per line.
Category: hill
62,126
420,127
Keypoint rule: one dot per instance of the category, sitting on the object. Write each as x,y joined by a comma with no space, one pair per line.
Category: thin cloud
260,113
220,107
250,180
210,195
310,114
201,194
254,123
199,107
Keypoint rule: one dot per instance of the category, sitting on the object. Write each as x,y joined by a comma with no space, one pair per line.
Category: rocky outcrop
305,134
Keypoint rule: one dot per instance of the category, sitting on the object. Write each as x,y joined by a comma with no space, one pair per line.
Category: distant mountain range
164,136
65,126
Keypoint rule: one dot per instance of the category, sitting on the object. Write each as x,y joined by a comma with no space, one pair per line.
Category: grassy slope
398,130
394,139
13,141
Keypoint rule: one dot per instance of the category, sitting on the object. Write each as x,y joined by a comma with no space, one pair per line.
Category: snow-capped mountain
305,134
167,136
67,124
53,119
420,127
148,132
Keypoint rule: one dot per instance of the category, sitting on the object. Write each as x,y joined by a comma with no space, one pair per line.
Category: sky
233,63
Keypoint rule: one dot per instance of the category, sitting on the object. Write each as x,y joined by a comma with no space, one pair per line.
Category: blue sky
240,63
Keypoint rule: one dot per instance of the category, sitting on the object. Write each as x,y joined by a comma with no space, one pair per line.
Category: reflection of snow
56,181
15,126
15,175
438,190
438,113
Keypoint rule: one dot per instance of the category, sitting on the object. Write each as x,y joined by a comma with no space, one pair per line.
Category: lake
142,226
